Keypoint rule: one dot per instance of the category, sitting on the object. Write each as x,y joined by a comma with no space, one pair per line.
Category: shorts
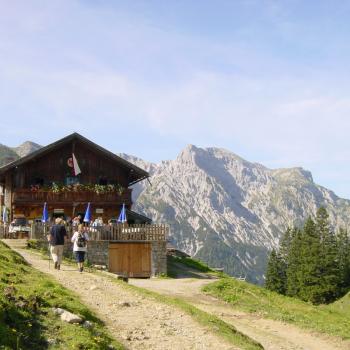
79,256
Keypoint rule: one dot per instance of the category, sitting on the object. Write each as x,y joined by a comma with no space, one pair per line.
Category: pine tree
283,254
343,245
294,263
312,264
275,275
308,269
285,244
330,279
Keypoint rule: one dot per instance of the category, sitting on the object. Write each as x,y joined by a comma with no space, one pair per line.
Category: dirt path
139,322
273,335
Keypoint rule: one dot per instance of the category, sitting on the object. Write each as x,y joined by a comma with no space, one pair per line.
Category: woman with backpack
80,239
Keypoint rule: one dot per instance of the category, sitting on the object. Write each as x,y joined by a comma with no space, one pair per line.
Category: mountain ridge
10,154
225,210
25,148
231,212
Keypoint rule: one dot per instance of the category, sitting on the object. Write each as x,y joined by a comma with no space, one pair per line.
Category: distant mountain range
223,209
230,212
9,154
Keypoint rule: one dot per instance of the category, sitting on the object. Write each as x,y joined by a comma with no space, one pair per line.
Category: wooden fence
118,232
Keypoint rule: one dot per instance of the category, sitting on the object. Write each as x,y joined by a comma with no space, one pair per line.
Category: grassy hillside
331,319
26,318
184,266
217,253
342,305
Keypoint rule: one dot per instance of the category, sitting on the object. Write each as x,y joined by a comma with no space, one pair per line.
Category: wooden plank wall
130,259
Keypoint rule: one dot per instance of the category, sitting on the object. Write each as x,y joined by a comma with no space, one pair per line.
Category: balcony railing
41,196
117,232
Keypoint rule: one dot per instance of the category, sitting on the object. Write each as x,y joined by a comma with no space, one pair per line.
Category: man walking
56,238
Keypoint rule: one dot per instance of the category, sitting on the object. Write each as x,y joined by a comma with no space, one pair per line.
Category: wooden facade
47,176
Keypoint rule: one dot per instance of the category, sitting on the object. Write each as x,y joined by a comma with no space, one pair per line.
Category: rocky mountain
26,148
9,154
230,212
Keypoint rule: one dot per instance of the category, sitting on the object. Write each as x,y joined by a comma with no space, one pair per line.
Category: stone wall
97,251
98,254
158,258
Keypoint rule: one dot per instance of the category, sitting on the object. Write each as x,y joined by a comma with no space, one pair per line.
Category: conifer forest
312,263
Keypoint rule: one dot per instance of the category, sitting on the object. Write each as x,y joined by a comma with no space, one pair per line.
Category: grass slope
179,266
330,319
342,305
26,318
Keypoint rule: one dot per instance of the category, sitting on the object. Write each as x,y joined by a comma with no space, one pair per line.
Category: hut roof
136,174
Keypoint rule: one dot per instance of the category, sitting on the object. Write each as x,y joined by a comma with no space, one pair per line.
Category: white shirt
75,239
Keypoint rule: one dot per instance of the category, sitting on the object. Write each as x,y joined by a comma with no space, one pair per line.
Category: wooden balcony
28,197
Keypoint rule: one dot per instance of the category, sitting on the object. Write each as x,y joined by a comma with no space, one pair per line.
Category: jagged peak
190,148
216,151
188,153
295,171
141,163
26,148
30,143
192,152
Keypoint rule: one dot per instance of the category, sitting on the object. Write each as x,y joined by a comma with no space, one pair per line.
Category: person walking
56,238
80,239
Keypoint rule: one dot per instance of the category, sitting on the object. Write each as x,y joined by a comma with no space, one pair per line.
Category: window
102,181
39,181
71,180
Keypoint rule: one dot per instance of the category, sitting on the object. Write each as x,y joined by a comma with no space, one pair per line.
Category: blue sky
268,80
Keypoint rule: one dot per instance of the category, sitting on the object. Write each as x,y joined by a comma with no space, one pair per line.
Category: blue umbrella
122,215
4,215
87,217
45,217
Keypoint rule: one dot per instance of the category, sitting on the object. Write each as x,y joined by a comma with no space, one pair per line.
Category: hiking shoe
80,269
56,265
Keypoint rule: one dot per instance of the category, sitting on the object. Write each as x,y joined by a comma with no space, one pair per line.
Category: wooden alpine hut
68,174
72,172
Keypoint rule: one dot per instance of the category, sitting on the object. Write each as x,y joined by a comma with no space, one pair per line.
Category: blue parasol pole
87,217
122,216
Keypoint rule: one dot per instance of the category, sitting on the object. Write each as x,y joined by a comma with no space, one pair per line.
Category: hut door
133,259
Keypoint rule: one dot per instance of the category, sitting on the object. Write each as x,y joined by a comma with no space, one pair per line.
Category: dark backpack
81,241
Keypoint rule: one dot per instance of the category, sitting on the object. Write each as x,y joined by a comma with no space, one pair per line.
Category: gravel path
137,321
273,335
